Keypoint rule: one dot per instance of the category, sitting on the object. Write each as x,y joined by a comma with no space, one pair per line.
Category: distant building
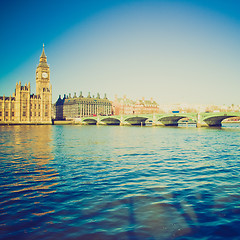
197,108
76,107
125,106
26,108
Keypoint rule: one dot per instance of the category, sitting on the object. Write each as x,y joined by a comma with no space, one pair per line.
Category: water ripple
92,182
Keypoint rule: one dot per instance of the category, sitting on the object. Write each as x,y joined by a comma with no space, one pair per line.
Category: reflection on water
26,178
34,143
97,182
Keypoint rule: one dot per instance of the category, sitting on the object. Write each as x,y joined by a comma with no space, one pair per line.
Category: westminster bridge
206,119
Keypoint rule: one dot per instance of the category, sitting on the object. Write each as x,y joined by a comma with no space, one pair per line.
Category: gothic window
24,114
0,114
12,114
24,105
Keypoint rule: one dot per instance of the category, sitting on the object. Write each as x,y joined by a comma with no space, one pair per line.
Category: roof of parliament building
68,99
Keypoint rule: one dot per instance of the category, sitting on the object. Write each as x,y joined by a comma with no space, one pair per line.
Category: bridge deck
168,119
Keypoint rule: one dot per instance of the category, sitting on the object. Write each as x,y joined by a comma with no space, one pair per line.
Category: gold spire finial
43,58
43,53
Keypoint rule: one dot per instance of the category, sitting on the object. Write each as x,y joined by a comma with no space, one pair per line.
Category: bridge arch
136,120
171,120
216,121
90,121
111,121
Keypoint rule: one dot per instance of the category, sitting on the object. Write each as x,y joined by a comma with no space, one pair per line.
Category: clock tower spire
43,89
42,74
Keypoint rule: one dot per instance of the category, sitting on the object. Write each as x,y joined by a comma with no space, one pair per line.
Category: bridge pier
122,123
201,124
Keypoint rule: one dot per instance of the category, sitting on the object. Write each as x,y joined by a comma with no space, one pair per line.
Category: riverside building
26,108
125,106
70,107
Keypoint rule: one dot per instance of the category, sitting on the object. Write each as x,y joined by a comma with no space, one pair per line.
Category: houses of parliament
26,108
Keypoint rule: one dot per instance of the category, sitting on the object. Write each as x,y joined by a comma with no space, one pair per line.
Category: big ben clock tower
44,88
42,74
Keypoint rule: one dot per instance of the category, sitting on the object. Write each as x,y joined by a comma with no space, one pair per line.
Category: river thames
119,182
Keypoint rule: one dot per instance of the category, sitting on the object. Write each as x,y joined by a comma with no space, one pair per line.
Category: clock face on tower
44,75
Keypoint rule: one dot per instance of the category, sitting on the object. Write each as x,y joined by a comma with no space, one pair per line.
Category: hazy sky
182,51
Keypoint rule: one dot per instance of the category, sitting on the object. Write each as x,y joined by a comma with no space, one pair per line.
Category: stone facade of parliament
70,107
26,108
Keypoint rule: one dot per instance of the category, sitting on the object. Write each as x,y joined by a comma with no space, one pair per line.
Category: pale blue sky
173,51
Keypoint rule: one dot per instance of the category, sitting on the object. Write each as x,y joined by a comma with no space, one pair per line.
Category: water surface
114,182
